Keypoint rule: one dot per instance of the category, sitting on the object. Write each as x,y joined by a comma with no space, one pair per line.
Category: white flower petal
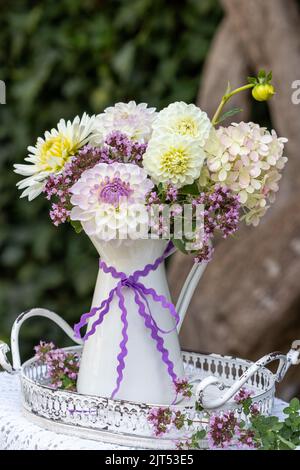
45,161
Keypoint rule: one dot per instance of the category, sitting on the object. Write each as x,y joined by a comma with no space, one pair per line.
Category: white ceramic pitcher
145,377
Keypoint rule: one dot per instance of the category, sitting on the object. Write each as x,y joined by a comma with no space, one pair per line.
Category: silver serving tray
215,378
124,422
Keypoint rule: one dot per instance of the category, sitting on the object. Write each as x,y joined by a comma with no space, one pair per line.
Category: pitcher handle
188,289
35,312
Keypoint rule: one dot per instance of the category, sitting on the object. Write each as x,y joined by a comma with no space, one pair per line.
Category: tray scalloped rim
35,393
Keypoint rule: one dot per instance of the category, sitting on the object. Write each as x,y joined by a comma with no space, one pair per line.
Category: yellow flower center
55,152
175,161
187,126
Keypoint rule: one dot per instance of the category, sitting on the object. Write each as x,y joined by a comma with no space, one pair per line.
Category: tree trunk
225,47
248,299
269,34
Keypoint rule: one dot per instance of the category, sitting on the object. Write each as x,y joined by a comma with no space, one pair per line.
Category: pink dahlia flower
110,201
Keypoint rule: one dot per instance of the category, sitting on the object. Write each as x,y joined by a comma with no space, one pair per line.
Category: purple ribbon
141,292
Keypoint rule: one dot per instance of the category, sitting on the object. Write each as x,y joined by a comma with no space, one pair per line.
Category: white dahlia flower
134,120
173,159
183,119
110,200
52,152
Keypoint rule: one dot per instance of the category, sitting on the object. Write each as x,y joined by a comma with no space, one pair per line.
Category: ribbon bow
141,292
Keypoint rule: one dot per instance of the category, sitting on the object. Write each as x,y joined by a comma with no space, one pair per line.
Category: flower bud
263,91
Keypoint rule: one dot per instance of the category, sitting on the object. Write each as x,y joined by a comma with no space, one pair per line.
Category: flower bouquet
140,182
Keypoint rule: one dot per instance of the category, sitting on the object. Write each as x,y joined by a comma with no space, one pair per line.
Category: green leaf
67,382
295,404
289,444
200,434
246,405
76,225
261,74
277,427
198,407
252,80
229,113
160,189
180,245
191,189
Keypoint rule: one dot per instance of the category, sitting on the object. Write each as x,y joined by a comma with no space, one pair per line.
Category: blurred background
59,59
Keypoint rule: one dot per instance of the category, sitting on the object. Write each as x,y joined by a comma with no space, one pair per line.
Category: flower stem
226,98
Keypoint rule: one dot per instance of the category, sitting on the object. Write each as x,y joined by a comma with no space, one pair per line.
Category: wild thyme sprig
225,430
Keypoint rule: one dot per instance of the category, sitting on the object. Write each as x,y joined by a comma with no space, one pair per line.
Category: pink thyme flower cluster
242,395
222,430
171,193
183,388
246,439
62,366
226,430
165,419
42,349
159,225
161,222
125,150
153,198
57,186
221,213
58,213
205,254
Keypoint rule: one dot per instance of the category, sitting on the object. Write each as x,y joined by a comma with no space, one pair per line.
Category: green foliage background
59,59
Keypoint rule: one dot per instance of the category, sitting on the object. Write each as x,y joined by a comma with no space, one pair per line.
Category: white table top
17,433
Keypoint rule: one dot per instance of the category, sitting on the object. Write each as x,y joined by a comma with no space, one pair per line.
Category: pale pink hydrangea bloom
247,159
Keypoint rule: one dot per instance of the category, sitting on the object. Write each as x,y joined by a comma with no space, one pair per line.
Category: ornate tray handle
285,362
35,312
